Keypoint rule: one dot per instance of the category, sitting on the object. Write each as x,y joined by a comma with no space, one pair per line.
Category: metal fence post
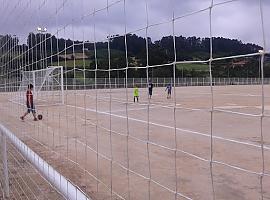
5,168
164,82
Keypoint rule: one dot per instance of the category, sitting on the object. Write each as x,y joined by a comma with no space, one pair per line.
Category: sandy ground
133,149
24,180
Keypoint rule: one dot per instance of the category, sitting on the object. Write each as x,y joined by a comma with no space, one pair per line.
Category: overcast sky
238,19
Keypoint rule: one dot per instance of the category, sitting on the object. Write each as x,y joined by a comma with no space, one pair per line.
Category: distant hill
160,52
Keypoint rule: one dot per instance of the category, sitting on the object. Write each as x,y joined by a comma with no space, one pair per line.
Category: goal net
48,86
199,75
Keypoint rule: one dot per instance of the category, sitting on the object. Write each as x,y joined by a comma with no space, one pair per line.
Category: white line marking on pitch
170,127
132,109
231,104
241,95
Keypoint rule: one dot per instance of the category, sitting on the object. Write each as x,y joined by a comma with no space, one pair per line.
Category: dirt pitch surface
89,137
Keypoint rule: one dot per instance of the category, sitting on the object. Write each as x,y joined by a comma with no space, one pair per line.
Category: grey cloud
239,19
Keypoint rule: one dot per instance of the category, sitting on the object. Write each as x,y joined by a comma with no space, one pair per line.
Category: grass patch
79,63
193,66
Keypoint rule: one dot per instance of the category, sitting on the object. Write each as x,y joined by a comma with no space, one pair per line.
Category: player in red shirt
30,103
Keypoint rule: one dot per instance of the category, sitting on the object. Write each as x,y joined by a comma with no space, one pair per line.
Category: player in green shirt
136,93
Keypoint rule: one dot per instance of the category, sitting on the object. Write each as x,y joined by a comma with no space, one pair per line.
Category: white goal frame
38,88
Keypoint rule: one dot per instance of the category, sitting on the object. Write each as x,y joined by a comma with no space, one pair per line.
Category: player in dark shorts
30,103
150,89
169,91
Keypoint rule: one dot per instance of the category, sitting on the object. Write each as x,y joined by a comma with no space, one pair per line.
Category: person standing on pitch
169,90
136,93
150,89
30,103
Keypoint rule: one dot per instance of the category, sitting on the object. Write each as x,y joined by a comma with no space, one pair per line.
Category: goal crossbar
48,85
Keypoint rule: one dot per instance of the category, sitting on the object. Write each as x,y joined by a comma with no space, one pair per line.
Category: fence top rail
62,184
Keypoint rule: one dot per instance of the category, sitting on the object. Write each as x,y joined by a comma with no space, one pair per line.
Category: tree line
162,51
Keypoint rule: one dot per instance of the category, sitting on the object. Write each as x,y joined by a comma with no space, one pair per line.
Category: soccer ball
39,117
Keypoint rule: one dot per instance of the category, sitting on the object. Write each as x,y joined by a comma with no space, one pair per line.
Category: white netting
209,141
24,181
47,86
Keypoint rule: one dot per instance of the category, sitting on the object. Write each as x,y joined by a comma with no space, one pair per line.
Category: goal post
48,86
